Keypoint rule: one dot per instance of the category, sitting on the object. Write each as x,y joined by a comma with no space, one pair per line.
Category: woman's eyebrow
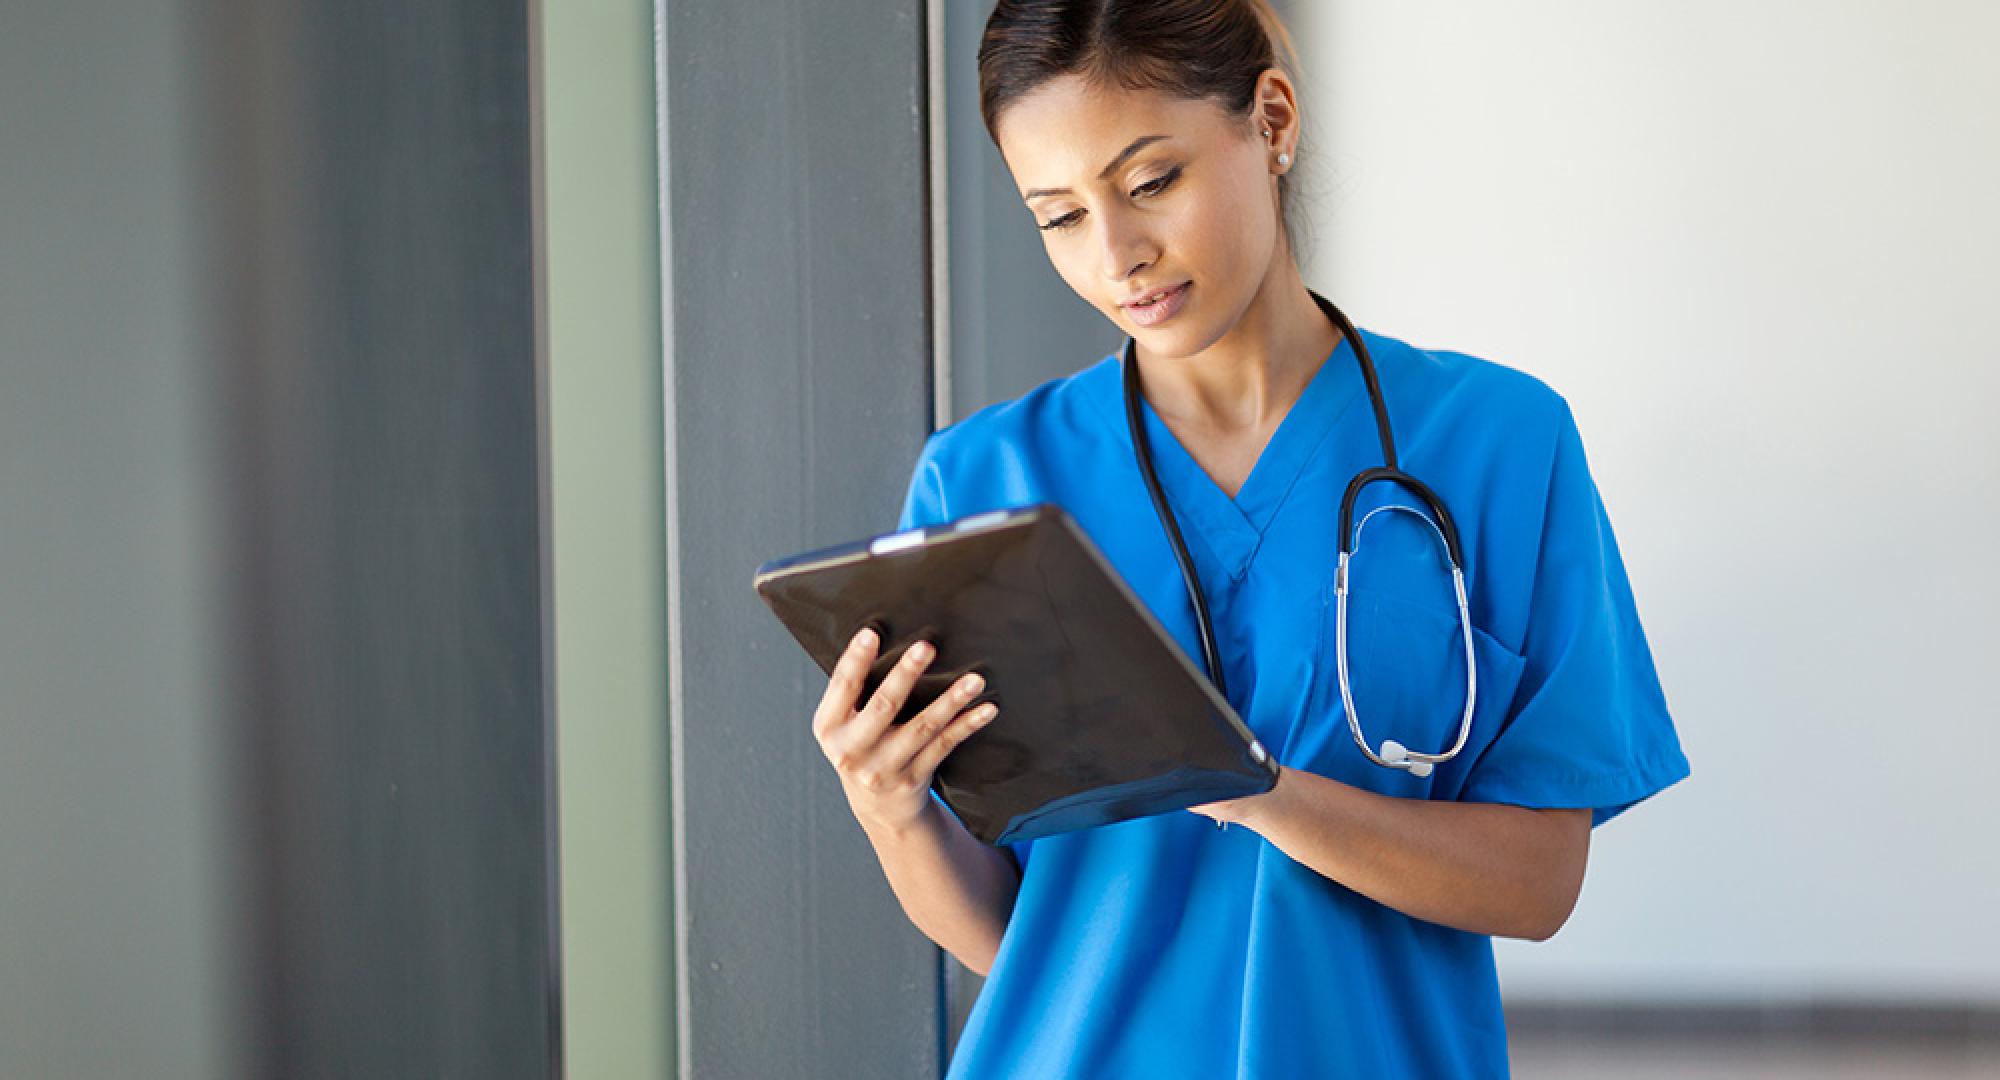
1134,147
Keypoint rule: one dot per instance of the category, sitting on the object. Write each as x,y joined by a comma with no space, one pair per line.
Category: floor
1652,1058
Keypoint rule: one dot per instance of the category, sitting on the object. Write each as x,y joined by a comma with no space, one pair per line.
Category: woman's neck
1249,378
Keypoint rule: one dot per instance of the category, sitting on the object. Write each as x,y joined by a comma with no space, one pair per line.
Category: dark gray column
371,171
1014,322
797,333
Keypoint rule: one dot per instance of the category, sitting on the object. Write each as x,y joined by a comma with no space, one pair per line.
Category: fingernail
986,712
864,636
971,685
920,651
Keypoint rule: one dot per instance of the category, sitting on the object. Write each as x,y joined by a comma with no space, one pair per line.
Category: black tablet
1102,718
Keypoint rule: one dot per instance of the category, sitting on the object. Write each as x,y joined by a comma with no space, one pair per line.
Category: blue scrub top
1164,947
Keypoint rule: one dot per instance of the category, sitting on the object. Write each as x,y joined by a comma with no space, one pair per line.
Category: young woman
1343,928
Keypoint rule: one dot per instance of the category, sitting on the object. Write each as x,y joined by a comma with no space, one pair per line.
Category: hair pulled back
1195,49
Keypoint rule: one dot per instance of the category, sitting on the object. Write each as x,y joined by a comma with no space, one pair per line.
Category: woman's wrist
899,829
1259,810
1251,810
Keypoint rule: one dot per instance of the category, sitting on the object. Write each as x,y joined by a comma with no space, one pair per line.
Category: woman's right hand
886,768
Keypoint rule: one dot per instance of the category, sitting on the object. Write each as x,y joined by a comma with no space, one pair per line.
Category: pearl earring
1283,158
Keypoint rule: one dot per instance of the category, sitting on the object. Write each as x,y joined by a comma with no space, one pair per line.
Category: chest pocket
1406,669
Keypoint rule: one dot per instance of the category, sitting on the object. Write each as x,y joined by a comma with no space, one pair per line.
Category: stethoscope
1393,755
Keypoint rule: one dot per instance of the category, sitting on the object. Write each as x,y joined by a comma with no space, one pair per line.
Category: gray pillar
275,797
797,333
113,873
373,188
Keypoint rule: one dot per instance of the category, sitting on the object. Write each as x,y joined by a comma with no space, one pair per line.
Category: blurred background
396,398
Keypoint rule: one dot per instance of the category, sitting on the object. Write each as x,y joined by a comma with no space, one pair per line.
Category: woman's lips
1166,307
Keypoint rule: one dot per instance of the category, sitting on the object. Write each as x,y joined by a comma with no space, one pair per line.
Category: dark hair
1199,49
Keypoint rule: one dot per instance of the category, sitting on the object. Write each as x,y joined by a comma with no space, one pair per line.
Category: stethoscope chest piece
1393,754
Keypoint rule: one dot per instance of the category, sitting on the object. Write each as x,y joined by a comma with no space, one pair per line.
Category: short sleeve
1588,726
924,504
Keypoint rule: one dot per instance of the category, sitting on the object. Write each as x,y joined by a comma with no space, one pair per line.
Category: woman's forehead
1067,129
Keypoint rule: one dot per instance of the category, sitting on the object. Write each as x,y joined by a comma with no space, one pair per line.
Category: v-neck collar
1231,528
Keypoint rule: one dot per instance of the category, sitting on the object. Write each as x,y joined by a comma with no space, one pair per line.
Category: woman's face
1136,191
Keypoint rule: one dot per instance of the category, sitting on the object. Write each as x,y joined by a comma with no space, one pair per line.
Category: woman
1344,927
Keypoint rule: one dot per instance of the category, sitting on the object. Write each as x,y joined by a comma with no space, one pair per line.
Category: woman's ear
1274,107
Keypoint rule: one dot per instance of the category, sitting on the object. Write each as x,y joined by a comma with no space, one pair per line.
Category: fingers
902,746
875,717
860,744
844,685
961,728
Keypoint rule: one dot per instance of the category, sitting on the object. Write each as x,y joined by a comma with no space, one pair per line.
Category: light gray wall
1753,244
609,537
112,917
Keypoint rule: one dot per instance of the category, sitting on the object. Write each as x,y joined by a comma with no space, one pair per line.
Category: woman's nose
1124,246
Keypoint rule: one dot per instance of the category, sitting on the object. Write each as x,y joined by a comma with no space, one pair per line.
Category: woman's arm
957,890
1489,868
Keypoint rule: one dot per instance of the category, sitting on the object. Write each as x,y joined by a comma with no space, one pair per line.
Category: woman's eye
1155,186
1149,188
1062,222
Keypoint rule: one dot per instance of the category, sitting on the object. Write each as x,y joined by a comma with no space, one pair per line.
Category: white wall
1754,244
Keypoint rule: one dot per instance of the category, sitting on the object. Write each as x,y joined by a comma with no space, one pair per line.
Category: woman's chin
1177,341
